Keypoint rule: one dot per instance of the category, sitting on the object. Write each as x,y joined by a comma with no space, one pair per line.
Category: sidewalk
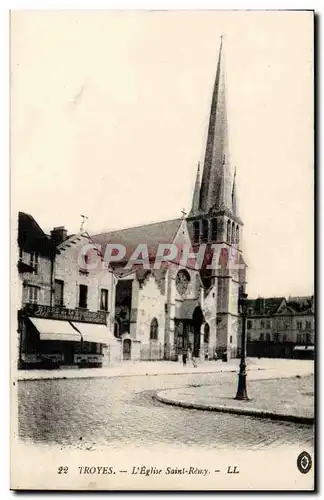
290,399
265,368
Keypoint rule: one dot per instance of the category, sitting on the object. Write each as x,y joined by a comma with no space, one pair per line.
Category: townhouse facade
280,327
67,310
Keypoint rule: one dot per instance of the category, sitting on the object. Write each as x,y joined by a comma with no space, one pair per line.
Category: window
33,294
276,337
104,300
214,229
205,227
228,235
59,292
262,337
83,296
262,323
196,226
249,324
154,329
34,261
233,234
308,325
268,323
268,337
299,325
237,235
308,338
231,339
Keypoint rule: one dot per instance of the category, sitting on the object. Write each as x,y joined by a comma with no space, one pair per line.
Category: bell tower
214,219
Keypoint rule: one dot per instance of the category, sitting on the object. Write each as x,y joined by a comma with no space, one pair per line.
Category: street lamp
241,387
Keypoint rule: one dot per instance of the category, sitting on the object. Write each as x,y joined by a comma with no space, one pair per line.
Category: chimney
58,234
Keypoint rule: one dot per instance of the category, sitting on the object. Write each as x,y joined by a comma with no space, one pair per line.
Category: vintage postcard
162,302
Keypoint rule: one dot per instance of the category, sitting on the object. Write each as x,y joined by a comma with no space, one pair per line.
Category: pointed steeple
196,194
216,181
234,200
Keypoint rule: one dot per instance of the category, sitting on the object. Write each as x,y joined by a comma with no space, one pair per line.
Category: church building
160,311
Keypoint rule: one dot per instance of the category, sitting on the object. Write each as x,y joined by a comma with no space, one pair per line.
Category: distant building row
279,327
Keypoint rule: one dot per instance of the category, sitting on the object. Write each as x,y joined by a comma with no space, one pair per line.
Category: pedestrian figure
184,357
192,357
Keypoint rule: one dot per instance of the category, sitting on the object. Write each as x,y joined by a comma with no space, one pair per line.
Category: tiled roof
265,305
300,304
31,238
150,234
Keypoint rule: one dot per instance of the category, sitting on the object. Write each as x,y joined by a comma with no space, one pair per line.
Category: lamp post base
241,388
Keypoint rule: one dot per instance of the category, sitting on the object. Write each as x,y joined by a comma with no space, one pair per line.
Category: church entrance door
197,319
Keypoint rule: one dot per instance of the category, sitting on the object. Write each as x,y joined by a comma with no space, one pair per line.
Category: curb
131,375
236,411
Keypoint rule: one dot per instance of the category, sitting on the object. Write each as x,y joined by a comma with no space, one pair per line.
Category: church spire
195,198
234,199
215,189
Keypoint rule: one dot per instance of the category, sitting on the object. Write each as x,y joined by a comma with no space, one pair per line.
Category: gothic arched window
214,229
233,234
154,329
228,234
196,230
237,235
205,228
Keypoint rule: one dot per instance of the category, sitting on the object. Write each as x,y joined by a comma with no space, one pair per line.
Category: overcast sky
109,115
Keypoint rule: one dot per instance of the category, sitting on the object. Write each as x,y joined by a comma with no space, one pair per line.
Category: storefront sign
61,313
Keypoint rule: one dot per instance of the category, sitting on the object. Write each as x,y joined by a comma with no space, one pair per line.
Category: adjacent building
280,327
67,311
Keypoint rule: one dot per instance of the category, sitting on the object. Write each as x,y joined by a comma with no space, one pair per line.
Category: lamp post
241,387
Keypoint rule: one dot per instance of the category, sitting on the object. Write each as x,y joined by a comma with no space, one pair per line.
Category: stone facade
95,276
279,327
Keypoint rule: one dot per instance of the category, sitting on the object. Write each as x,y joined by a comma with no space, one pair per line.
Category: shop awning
93,333
304,348
52,329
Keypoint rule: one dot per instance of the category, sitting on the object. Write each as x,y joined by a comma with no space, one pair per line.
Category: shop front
53,337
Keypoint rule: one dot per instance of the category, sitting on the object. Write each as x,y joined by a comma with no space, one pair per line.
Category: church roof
149,234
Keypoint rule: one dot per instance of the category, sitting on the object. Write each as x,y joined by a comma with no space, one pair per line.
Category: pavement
264,367
289,399
105,414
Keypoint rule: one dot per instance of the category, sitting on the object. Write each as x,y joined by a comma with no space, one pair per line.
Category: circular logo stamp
304,462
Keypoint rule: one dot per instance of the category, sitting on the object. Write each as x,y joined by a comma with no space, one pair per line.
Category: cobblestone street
93,414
